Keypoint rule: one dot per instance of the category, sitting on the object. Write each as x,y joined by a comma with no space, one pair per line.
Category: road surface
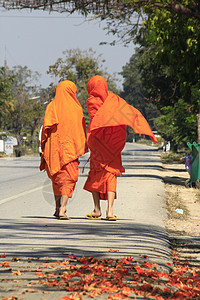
28,228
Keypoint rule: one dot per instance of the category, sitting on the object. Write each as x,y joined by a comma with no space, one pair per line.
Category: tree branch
103,7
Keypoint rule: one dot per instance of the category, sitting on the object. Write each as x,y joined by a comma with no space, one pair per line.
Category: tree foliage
6,100
149,85
134,90
168,33
177,124
21,101
175,42
79,66
104,7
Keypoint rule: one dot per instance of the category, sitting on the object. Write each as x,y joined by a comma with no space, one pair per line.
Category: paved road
28,228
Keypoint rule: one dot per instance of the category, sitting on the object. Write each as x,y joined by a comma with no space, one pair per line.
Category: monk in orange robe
63,141
106,138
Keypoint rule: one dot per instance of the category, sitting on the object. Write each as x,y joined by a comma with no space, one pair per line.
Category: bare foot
96,213
62,212
109,214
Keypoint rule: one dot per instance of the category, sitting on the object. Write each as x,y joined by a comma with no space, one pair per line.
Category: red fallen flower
83,260
54,282
66,276
46,267
116,297
148,264
6,264
125,261
109,289
164,275
146,287
70,288
15,258
89,287
51,275
17,272
30,291
167,291
75,296
3,255
11,298
72,256
139,270
126,290
39,274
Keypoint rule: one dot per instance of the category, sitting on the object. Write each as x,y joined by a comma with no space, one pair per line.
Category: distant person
63,141
106,138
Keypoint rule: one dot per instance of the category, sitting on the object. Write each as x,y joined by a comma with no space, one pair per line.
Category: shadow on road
187,249
28,238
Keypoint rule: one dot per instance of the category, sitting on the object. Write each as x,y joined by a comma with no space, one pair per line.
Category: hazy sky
36,39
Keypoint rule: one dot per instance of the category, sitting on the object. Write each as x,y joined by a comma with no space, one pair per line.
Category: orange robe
107,135
63,139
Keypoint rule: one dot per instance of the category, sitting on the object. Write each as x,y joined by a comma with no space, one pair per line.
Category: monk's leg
111,198
63,206
57,204
97,209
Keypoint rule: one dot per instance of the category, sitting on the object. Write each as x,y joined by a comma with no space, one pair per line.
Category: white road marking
23,194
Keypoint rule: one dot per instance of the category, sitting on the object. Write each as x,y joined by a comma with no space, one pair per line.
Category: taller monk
106,138
63,141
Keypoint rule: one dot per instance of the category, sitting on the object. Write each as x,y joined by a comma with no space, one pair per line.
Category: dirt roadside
179,197
184,227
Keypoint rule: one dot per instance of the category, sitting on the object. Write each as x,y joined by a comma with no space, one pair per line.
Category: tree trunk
198,127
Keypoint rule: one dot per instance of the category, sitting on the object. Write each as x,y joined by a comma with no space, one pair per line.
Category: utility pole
5,65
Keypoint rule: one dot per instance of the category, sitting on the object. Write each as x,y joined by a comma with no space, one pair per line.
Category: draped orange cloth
63,139
107,134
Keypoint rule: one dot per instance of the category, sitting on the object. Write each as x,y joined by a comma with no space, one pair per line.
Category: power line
40,17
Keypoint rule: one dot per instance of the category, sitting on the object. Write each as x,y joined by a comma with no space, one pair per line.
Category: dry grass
197,196
174,202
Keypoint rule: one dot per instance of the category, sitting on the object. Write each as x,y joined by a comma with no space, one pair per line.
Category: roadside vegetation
161,79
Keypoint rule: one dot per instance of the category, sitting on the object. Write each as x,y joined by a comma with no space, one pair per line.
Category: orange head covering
107,109
98,92
64,133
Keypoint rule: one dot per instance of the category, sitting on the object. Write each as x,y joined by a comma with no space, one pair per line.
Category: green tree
168,30
27,106
79,66
168,83
177,124
175,42
6,99
149,87
134,90
174,25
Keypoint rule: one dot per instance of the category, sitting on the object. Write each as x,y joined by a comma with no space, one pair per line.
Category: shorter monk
106,139
63,141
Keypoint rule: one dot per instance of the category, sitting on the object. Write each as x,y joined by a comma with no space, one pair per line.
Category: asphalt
138,232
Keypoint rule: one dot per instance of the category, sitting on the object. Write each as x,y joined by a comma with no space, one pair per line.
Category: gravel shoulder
183,229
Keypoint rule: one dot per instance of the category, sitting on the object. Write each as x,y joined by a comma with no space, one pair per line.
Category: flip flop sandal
91,217
64,218
56,215
114,218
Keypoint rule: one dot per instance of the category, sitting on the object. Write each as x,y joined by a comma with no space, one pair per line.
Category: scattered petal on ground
126,278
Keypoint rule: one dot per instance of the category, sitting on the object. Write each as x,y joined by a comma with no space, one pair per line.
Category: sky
36,39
